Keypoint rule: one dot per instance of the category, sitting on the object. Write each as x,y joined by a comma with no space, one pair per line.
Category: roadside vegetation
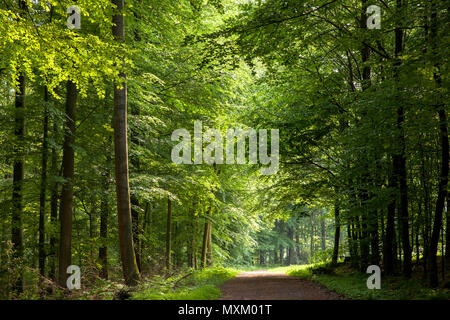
193,285
351,283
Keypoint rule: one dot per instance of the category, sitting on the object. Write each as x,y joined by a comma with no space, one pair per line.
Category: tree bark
388,247
337,235
53,208
297,246
447,232
136,229
127,253
169,234
103,248
68,162
443,177
311,247
209,253
205,239
18,176
291,252
322,234
191,244
400,159
42,195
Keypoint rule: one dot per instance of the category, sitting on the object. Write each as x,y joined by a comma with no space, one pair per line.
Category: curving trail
265,285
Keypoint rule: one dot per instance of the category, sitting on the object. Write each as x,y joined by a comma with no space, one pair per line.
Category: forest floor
267,285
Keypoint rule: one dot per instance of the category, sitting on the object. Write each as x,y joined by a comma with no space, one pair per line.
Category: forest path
266,285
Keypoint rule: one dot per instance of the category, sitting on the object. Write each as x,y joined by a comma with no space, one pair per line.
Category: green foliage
295,65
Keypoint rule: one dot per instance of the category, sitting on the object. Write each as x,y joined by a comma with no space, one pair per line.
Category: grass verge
352,284
195,285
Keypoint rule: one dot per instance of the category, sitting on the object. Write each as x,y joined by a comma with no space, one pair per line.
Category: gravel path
265,285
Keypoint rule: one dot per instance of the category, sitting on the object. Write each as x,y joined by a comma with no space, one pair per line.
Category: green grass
352,284
290,269
198,285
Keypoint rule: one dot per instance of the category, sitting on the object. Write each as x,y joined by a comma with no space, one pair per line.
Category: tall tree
337,234
18,176
443,137
66,202
127,253
400,156
168,235
42,195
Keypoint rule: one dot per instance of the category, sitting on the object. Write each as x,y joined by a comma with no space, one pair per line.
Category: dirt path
264,285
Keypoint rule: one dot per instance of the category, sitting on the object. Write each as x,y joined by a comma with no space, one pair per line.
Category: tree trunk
205,239
447,232
322,234
127,253
169,234
374,245
443,177
400,159
136,229
191,244
297,246
42,195
291,252
337,234
53,209
103,248
281,255
68,162
209,254
311,246
18,176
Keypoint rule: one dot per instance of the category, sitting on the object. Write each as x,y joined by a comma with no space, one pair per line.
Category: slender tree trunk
104,214
42,195
322,234
443,176
127,253
281,255
297,245
209,255
311,246
351,244
91,214
400,158
291,252
362,190
364,239
419,219
447,232
191,244
53,209
205,239
337,234
68,162
18,176
169,235
103,249
136,229
375,248
427,214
